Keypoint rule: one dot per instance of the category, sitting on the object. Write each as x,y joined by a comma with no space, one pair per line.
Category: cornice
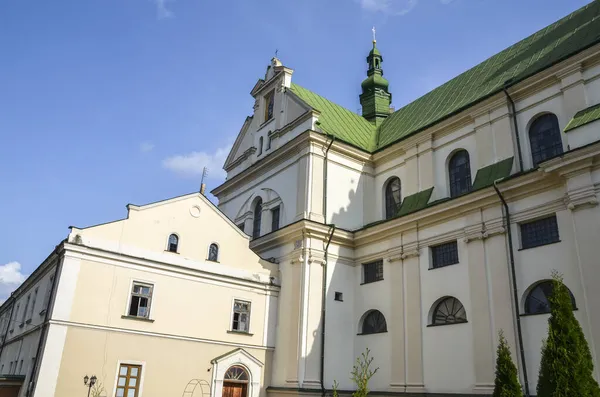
247,153
98,254
302,229
513,189
267,84
305,140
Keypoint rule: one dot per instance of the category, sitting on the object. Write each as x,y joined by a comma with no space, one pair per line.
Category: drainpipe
516,126
514,286
325,181
323,310
324,277
12,308
31,386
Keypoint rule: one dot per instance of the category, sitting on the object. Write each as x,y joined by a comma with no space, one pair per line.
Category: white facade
302,236
203,312
412,355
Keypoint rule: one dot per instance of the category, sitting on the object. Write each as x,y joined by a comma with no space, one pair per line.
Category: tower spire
375,98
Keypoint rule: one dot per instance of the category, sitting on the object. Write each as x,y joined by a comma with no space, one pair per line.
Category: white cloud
191,164
391,7
146,147
161,9
10,278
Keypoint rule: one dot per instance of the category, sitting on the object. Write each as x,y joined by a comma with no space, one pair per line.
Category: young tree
362,373
507,378
566,367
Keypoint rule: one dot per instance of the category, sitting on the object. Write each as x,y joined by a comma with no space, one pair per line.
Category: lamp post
89,382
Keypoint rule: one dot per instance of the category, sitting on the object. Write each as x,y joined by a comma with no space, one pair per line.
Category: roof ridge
514,63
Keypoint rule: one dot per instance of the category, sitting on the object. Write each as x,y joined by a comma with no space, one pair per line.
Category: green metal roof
415,202
537,52
560,40
487,175
338,121
584,117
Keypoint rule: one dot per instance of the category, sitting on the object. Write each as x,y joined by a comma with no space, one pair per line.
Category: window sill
171,252
373,333
208,260
370,282
264,124
147,320
232,331
443,266
445,324
541,245
28,321
540,314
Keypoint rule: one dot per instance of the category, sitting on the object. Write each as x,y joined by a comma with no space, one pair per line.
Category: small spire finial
276,52
373,30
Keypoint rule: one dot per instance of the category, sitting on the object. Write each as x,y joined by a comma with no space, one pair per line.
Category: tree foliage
566,367
507,377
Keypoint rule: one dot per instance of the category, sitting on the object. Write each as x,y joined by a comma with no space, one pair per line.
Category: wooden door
231,389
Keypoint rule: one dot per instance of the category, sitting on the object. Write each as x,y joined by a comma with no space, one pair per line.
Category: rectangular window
268,142
128,382
141,297
32,308
539,232
372,271
269,102
339,297
444,255
10,368
14,316
47,294
20,367
26,308
241,316
275,219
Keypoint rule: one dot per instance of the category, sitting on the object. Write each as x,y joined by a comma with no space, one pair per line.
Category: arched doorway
235,382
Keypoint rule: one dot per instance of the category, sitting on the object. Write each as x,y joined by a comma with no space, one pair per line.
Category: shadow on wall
341,320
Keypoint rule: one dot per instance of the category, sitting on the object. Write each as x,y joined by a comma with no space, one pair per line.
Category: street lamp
89,382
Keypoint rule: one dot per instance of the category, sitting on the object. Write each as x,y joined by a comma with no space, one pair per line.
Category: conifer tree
507,378
566,367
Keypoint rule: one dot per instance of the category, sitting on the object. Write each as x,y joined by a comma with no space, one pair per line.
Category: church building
420,233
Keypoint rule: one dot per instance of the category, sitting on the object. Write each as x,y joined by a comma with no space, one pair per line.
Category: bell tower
375,98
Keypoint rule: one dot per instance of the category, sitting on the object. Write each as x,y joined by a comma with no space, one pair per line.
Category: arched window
544,138
448,311
236,373
257,218
213,252
537,301
373,323
260,145
173,243
392,197
459,170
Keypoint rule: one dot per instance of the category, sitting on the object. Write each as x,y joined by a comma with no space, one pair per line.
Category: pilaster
480,317
413,327
396,325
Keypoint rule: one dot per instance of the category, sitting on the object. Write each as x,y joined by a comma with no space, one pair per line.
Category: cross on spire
373,30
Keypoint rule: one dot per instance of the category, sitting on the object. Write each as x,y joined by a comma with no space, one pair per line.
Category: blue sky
109,102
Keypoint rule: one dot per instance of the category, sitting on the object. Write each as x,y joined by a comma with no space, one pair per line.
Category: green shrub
566,367
507,378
